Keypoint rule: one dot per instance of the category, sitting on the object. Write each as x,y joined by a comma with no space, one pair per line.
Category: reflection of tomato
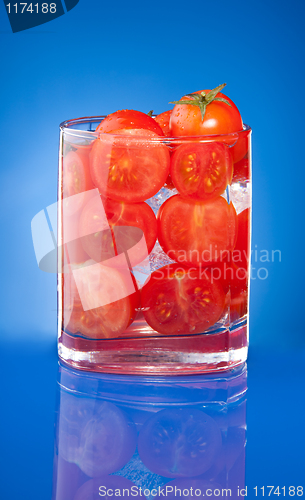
201,171
131,167
195,233
99,487
179,442
163,121
179,300
108,441
107,321
129,119
219,118
125,226
241,148
76,179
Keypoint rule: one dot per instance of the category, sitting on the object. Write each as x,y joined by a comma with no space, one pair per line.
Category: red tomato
234,281
201,171
163,121
107,321
76,179
241,252
242,146
129,168
179,300
121,232
219,118
195,233
241,170
129,119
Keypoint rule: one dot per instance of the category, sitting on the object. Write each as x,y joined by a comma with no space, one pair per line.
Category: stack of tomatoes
195,151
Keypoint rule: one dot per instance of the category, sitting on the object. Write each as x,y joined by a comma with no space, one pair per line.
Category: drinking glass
153,250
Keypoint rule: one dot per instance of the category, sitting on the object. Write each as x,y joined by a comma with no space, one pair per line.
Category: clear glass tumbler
154,247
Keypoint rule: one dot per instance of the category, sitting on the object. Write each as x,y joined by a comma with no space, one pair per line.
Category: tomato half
241,170
163,121
76,179
107,321
195,233
241,252
201,171
179,300
131,167
121,232
129,119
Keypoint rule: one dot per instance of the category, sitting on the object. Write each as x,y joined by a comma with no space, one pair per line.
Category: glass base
159,355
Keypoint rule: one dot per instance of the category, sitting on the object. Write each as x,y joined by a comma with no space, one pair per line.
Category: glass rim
67,127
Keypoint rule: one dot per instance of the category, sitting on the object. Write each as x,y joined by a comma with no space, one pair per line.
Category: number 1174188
22,8
267,491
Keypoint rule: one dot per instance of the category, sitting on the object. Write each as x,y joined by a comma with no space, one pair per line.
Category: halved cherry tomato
107,321
219,118
163,121
241,252
195,233
128,119
76,179
130,167
241,170
179,300
122,232
201,171
234,281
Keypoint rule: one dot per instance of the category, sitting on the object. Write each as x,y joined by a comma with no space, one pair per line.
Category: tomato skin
163,120
201,171
129,168
125,227
179,301
108,321
219,118
76,180
241,170
241,252
128,119
208,234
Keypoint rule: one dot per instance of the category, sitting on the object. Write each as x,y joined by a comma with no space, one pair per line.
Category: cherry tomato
107,442
201,171
129,119
241,252
179,300
219,118
209,233
106,321
179,442
242,146
163,121
120,232
76,179
131,167
241,170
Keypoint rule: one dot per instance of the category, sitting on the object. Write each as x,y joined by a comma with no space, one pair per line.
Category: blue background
96,59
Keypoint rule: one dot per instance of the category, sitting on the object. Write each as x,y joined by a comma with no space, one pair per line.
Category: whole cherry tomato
205,112
129,119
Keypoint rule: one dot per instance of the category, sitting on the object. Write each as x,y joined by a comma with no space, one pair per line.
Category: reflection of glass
160,434
141,296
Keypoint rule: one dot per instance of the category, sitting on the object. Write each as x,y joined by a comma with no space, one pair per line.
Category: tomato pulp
181,300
